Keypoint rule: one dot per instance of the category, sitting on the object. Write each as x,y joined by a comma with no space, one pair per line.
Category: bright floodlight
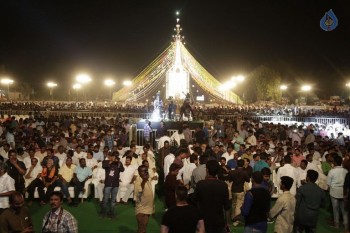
109,82
228,85
348,84
76,86
239,78
127,83
306,88
83,78
177,13
6,81
51,84
283,87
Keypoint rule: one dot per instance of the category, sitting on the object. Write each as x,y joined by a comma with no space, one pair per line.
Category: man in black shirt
212,198
256,206
182,218
238,178
112,167
16,169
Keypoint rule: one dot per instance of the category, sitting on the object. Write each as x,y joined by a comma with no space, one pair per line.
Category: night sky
53,40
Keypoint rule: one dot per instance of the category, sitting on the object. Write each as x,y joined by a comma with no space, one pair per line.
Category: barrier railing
206,116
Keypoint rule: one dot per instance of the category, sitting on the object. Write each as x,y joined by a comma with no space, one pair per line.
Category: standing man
16,169
183,217
309,199
284,208
113,167
238,177
147,130
288,170
16,218
7,187
256,206
212,198
144,199
335,181
58,219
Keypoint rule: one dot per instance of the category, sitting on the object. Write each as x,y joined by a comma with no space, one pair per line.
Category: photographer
58,219
112,167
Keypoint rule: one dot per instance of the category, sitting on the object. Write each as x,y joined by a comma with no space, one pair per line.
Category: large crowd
217,177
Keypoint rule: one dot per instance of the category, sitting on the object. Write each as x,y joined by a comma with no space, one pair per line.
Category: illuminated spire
178,41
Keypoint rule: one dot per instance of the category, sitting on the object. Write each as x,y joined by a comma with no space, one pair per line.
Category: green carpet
89,222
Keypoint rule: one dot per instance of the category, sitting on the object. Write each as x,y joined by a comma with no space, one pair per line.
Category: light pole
109,83
83,79
348,86
76,87
8,82
238,79
283,88
306,89
51,86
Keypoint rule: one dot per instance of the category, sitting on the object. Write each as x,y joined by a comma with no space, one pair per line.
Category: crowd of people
199,109
220,176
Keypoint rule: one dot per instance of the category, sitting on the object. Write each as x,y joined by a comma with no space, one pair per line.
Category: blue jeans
338,204
109,192
64,187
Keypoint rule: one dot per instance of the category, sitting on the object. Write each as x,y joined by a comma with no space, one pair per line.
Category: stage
171,125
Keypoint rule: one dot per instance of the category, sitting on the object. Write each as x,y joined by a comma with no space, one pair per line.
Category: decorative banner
329,21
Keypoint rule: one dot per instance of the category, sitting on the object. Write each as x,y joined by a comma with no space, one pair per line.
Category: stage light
76,86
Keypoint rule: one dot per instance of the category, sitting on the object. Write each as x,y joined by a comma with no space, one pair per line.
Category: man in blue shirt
81,174
258,166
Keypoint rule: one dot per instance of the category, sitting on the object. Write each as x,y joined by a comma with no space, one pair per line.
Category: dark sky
42,40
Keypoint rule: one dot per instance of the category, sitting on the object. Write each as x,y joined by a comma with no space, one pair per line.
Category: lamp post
348,86
283,88
76,87
83,79
8,82
306,89
51,86
109,83
238,79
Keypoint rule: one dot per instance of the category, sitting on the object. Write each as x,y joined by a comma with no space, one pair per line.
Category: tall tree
264,84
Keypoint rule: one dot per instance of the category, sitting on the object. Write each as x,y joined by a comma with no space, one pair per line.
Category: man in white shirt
335,181
187,169
91,162
127,178
7,187
28,160
98,179
33,171
251,139
168,160
4,150
288,170
61,155
229,154
98,155
79,154
41,154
